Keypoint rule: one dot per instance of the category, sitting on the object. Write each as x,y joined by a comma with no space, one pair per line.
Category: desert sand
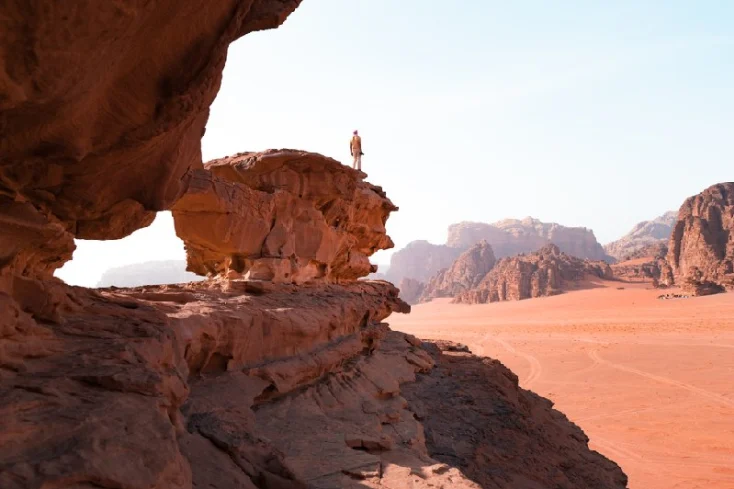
650,381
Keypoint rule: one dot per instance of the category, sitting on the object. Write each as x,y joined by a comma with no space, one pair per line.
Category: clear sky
586,113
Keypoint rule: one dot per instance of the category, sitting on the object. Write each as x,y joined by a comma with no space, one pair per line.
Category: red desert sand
650,381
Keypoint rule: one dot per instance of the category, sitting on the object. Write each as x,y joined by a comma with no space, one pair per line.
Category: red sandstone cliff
234,383
645,264
545,272
464,274
228,383
701,248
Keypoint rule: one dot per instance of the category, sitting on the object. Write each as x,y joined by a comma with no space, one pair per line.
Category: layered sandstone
421,260
234,384
464,274
102,109
643,237
701,247
289,381
284,216
543,273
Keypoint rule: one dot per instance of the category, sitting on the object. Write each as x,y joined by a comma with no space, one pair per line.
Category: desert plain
650,381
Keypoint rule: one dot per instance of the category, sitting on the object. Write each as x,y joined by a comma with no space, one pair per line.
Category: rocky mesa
421,260
277,372
543,273
464,274
701,247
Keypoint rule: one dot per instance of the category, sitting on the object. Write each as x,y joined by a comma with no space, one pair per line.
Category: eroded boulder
283,216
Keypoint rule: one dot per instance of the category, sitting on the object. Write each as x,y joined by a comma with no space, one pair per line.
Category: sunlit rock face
226,383
283,216
701,248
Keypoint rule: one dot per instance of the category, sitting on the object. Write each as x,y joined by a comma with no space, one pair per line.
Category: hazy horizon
599,116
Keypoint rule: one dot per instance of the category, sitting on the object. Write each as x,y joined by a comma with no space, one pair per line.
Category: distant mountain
148,273
464,274
641,236
512,236
421,260
545,272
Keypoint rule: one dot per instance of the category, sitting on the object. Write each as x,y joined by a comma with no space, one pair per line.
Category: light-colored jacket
355,145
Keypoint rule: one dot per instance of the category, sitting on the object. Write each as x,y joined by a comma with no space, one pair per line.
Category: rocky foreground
279,371
276,372
236,384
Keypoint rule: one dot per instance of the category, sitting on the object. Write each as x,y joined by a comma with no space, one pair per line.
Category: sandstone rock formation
421,260
512,236
459,403
464,274
697,287
286,216
227,383
102,109
701,247
646,264
644,235
543,273
411,290
233,384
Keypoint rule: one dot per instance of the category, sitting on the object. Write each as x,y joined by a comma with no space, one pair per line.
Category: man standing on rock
355,149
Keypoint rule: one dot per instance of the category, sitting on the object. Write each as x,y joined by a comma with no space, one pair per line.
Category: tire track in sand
594,354
536,369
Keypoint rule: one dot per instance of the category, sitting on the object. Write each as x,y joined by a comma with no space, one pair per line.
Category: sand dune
650,381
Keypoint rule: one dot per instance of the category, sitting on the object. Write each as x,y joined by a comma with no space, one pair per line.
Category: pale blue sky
586,113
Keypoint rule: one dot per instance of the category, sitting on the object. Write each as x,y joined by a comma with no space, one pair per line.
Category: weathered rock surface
543,273
642,237
421,260
644,264
697,287
284,216
477,419
219,384
233,384
102,109
411,290
464,274
124,388
701,246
